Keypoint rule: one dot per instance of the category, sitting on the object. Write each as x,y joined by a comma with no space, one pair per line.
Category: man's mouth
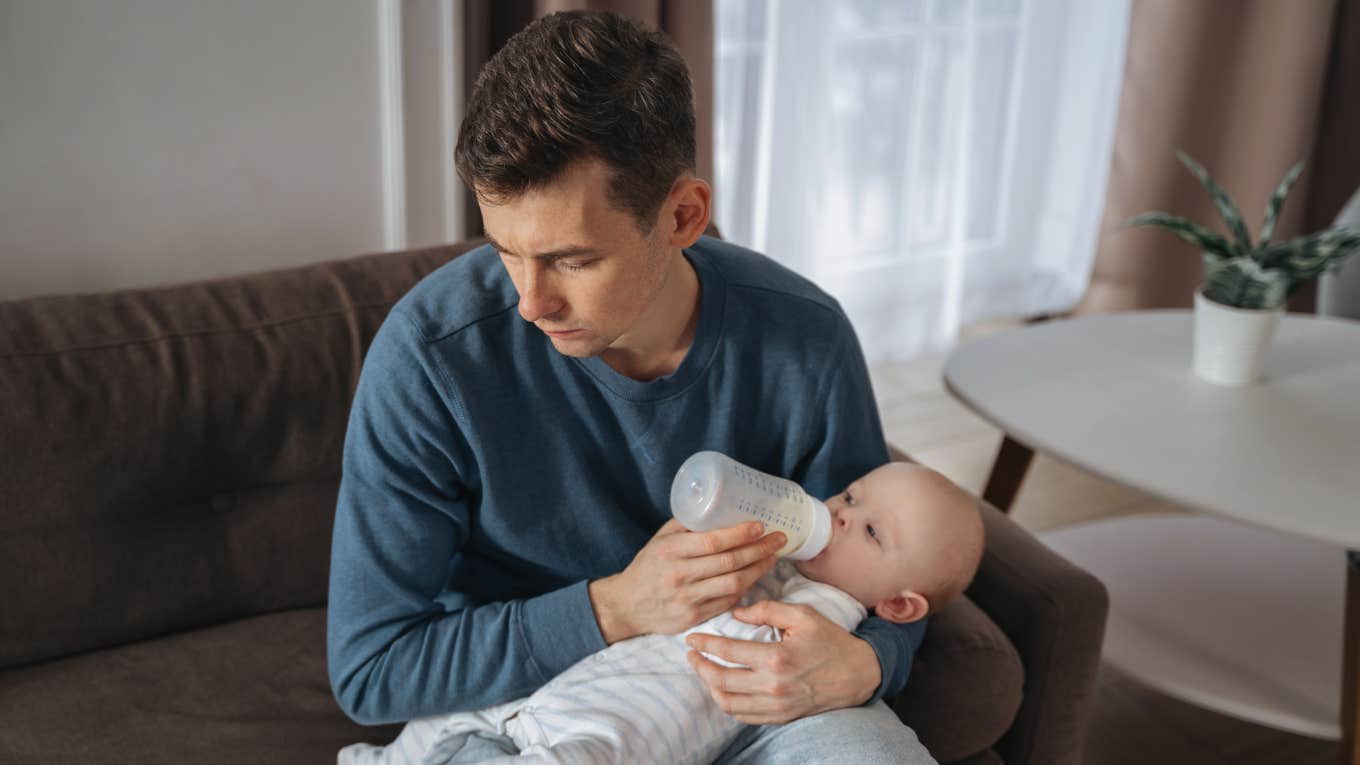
560,333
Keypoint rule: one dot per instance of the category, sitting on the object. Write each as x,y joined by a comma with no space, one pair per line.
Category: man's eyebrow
561,252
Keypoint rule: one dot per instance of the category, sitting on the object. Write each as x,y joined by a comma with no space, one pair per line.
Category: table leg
1008,472
1350,664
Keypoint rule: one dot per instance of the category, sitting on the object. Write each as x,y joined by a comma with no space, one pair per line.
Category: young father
520,415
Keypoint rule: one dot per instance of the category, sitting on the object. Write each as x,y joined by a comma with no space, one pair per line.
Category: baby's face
888,529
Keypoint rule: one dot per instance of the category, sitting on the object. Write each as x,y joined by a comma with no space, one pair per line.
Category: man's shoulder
750,270
466,291
771,288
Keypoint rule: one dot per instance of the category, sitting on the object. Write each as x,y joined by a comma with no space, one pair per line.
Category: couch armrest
1054,614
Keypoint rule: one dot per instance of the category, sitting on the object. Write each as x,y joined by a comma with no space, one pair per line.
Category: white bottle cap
818,536
694,493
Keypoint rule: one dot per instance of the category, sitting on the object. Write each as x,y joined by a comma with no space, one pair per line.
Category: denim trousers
867,735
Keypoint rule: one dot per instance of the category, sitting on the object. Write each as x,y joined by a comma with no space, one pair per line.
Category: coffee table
1250,606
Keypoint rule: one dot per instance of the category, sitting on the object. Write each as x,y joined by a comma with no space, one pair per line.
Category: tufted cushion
172,455
965,685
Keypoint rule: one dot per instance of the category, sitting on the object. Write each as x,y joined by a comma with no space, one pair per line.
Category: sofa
169,462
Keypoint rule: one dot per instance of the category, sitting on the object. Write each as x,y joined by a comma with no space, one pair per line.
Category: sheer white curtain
930,163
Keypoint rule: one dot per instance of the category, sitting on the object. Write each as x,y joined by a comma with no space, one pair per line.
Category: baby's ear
906,606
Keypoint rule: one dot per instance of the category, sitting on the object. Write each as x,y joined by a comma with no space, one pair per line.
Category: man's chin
580,348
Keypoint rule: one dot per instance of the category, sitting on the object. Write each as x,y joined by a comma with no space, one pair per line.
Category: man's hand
681,578
817,667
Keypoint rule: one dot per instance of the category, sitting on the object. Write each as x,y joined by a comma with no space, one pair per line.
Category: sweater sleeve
850,445
399,645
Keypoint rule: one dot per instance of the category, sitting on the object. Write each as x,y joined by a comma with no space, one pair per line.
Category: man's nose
537,298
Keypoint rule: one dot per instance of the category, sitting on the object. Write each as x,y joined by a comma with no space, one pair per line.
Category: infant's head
904,541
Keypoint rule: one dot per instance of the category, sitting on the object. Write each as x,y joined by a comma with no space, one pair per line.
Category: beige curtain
689,24
1247,87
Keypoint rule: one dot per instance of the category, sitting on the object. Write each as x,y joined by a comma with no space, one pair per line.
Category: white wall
152,141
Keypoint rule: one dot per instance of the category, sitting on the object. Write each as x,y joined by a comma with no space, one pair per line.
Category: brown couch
169,460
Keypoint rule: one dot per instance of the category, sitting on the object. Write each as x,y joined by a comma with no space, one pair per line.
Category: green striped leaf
1193,233
1243,283
1276,202
1226,207
1305,257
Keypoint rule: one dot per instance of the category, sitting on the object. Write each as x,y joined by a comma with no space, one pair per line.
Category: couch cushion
965,684
171,455
253,690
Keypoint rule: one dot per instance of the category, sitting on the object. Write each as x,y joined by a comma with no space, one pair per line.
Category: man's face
584,271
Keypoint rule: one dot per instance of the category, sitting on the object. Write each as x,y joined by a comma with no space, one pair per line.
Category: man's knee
870,734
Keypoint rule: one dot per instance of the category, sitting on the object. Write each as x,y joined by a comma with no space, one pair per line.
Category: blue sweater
488,478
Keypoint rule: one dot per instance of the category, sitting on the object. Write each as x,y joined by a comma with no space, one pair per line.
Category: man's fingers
732,584
740,692
718,678
748,653
704,543
752,708
736,559
785,616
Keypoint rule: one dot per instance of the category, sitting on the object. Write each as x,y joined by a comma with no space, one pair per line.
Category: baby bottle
713,491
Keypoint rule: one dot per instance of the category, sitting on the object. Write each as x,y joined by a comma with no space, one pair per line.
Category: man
521,413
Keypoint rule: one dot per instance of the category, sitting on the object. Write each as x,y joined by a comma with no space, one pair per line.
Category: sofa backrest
169,458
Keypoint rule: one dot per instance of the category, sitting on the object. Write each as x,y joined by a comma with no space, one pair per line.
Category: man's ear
906,606
687,210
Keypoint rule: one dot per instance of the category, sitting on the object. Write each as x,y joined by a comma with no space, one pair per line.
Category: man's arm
399,646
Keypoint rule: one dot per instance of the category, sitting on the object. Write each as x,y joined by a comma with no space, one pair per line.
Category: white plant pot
1231,343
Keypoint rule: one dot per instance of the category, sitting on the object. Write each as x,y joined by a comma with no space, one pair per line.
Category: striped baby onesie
637,701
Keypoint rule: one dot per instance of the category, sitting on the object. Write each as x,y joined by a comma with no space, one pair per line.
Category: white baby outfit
637,701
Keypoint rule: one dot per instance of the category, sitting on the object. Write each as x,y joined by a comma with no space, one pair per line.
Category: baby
905,540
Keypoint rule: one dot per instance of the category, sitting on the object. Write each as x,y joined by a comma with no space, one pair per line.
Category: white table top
1114,394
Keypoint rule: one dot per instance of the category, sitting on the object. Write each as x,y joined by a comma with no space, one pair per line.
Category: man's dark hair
579,85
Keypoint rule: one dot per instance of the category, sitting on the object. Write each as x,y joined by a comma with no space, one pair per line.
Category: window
928,163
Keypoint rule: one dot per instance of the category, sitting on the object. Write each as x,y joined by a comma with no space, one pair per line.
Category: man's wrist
613,626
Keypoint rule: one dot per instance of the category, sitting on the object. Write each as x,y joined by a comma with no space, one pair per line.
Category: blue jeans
868,735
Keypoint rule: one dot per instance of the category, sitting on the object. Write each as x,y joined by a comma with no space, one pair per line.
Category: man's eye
575,266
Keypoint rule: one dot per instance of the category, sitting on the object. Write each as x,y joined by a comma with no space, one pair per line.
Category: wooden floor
1131,724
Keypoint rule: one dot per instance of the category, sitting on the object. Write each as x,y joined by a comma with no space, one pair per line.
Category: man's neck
672,319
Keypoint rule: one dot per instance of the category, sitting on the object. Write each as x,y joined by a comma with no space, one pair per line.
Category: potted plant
1246,283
